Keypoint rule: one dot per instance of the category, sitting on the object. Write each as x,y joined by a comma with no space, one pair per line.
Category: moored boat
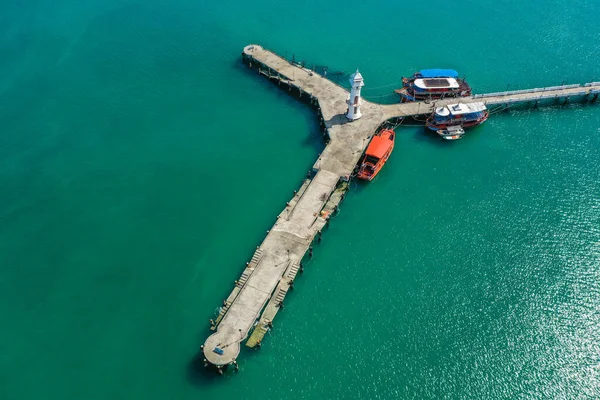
464,115
433,84
453,132
377,154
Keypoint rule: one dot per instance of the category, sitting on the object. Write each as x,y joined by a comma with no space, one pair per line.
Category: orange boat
377,153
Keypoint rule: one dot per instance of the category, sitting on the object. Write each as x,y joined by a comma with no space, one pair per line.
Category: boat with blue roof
433,84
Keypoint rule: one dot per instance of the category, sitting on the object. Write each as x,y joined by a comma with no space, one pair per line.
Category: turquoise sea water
141,163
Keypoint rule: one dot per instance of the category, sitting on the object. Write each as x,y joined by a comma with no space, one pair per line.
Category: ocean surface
141,163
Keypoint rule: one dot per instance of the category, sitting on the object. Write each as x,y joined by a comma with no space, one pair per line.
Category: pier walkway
497,99
259,292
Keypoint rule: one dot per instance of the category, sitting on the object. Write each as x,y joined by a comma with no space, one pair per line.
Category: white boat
464,115
453,132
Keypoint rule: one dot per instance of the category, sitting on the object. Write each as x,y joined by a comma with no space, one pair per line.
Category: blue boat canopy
438,73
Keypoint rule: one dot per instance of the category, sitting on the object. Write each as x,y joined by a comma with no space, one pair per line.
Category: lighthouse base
353,116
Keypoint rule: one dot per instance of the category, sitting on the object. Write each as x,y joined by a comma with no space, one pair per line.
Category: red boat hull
380,147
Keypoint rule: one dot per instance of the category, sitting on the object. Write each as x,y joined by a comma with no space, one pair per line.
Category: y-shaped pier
270,274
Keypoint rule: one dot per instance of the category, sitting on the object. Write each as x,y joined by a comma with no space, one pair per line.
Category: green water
141,163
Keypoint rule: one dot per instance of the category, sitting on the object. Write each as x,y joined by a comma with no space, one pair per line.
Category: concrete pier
259,292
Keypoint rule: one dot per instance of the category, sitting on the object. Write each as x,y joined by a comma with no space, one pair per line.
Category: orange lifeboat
377,153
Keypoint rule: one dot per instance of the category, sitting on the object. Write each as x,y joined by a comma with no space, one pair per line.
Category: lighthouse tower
357,82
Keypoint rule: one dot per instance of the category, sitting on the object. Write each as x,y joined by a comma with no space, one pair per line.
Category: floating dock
258,294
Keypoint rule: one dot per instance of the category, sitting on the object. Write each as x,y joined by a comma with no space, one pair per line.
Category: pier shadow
291,97
428,136
315,138
200,376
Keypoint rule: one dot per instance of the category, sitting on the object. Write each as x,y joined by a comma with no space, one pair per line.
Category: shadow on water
200,376
428,136
302,104
196,373
315,139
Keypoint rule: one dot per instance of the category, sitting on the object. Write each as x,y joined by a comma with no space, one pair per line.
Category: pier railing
536,90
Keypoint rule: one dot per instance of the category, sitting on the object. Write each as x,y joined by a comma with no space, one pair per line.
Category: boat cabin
464,114
431,84
436,83
452,111
376,155
377,149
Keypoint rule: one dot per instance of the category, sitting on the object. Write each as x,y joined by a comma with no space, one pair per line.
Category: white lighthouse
357,82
